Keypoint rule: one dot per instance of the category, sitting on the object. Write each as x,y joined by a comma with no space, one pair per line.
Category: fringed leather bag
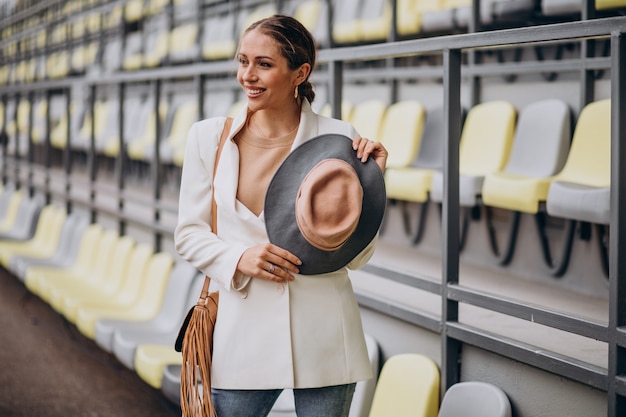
195,337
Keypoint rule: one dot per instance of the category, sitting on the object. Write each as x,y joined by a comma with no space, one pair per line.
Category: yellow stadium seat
44,241
110,270
184,43
581,191
38,279
10,216
151,360
142,304
486,141
367,118
408,386
539,150
401,132
219,39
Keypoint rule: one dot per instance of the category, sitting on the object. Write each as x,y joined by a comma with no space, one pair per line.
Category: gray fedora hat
324,205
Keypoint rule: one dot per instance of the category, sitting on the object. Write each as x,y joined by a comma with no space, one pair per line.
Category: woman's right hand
270,262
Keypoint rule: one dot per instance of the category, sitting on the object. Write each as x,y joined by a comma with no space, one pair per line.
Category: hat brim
280,203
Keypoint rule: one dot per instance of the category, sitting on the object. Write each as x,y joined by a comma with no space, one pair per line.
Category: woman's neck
274,124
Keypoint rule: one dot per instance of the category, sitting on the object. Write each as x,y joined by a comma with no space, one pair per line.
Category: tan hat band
328,204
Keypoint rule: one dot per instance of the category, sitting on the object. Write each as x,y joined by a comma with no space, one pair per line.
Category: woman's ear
303,73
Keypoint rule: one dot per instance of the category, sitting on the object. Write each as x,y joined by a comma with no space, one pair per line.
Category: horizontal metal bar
560,32
402,312
576,370
620,337
421,282
620,385
530,312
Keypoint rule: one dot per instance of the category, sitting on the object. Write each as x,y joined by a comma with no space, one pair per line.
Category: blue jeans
311,402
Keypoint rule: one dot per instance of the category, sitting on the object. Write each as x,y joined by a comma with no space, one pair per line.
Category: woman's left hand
365,148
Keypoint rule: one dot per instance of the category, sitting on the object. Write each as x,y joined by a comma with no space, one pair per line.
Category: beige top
259,158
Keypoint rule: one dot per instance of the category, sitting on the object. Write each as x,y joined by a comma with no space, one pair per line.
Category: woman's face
264,73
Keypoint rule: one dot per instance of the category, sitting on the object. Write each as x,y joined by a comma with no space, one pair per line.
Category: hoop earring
295,94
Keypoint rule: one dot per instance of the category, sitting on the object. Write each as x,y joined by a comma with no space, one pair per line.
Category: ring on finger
272,267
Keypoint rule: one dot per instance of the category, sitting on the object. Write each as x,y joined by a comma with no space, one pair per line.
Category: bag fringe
195,386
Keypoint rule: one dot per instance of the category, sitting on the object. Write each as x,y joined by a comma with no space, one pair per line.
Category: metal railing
454,334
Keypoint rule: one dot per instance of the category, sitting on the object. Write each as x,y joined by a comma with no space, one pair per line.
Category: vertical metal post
16,154
91,153
67,153
450,348
335,87
156,162
120,162
5,138
29,144
587,50
617,243
46,142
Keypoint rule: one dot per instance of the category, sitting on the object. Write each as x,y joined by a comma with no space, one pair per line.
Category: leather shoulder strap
220,146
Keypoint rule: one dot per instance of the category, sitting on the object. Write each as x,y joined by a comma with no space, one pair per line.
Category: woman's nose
250,73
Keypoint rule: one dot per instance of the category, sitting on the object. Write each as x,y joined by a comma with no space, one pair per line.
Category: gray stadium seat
581,191
66,252
122,337
26,220
475,399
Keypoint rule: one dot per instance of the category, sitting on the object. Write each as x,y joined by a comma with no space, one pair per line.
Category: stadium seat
110,144
375,21
410,13
184,43
43,243
54,289
146,137
133,10
104,112
486,141
367,118
164,328
185,114
581,191
345,24
408,386
401,132
105,282
475,399
142,304
571,7
11,200
314,16
540,147
25,223
66,251
219,37
38,279
347,110
157,43
132,55
151,360
443,18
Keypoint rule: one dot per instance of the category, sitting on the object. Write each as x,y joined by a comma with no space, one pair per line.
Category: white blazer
303,334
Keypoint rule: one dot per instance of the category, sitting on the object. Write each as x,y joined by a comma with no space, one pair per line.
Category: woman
276,329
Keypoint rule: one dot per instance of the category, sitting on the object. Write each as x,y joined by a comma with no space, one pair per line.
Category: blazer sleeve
194,239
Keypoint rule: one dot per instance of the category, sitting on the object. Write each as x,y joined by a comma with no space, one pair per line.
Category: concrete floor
49,369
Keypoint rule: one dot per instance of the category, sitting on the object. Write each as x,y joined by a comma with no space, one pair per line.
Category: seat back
589,159
134,274
408,386
401,132
542,139
175,304
486,138
475,399
153,285
430,155
367,118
